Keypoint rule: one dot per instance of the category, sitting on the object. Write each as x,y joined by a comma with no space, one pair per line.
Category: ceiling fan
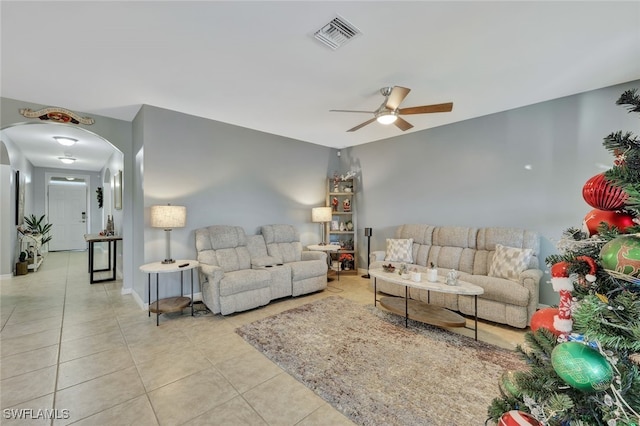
388,112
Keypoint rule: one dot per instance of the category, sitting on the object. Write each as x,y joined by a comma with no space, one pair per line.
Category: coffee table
421,311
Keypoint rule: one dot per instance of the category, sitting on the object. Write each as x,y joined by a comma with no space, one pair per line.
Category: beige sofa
510,281
239,272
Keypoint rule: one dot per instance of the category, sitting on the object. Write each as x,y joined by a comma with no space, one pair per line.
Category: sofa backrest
465,249
224,246
511,237
257,247
283,242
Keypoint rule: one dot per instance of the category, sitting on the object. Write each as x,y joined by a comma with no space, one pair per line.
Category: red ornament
517,418
620,220
601,194
544,318
560,270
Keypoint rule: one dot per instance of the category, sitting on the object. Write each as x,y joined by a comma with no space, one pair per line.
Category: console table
110,240
169,304
425,312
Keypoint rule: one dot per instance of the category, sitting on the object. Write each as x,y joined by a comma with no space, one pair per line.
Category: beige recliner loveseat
510,279
239,272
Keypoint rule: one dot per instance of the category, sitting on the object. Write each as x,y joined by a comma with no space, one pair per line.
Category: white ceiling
257,65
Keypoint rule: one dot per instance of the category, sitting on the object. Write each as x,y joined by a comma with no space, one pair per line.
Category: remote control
183,265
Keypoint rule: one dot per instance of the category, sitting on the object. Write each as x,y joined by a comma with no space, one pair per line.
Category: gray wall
473,173
225,175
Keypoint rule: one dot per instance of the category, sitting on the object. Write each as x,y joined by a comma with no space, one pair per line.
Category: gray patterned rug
367,365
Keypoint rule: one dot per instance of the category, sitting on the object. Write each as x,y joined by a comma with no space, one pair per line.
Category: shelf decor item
168,217
342,231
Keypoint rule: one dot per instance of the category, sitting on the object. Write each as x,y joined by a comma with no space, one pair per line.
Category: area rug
367,365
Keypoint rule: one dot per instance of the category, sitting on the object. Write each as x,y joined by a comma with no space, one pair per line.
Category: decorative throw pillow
399,250
509,262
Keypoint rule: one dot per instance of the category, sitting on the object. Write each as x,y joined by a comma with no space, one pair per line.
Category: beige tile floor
91,356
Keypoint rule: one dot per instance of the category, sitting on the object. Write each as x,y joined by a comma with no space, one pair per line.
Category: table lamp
321,215
168,217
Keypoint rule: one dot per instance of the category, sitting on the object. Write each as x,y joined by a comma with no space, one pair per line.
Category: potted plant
346,260
38,226
22,266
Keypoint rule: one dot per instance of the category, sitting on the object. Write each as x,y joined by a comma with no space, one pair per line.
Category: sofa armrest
263,262
377,256
212,273
530,279
314,255
210,277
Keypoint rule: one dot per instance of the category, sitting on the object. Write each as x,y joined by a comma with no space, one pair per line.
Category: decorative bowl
388,268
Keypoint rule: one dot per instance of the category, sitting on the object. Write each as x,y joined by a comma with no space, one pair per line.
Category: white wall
16,161
473,173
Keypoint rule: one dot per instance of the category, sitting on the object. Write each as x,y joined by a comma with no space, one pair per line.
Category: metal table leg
157,302
406,306
192,292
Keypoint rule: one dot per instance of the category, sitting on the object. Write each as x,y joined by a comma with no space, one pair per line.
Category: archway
31,149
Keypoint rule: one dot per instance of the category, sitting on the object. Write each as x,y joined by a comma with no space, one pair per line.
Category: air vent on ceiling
336,33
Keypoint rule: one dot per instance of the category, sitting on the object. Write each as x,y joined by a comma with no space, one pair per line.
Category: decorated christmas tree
583,356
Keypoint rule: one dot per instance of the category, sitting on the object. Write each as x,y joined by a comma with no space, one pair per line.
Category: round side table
169,304
327,248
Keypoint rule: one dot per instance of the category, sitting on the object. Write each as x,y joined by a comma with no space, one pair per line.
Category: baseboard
6,276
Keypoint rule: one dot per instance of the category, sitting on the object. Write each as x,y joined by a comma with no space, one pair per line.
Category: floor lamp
368,233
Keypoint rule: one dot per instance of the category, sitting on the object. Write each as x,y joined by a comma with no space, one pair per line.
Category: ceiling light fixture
386,117
67,160
62,140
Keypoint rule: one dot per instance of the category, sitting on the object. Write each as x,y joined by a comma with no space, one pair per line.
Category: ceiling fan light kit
386,117
388,112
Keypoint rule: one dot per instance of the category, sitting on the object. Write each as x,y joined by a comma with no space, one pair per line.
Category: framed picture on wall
117,191
19,198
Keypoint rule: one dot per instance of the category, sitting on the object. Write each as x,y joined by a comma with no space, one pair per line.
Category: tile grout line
64,306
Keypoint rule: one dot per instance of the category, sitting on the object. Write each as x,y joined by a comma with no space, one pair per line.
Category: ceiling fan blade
402,124
397,95
350,110
360,126
424,109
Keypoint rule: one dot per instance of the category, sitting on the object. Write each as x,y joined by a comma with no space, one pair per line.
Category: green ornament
508,384
622,254
581,367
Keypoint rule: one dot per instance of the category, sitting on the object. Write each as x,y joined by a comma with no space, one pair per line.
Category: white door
68,215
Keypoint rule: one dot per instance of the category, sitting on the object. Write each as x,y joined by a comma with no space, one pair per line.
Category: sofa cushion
399,250
500,289
488,238
421,234
233,259
244,280
307,269
283,242
509,262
